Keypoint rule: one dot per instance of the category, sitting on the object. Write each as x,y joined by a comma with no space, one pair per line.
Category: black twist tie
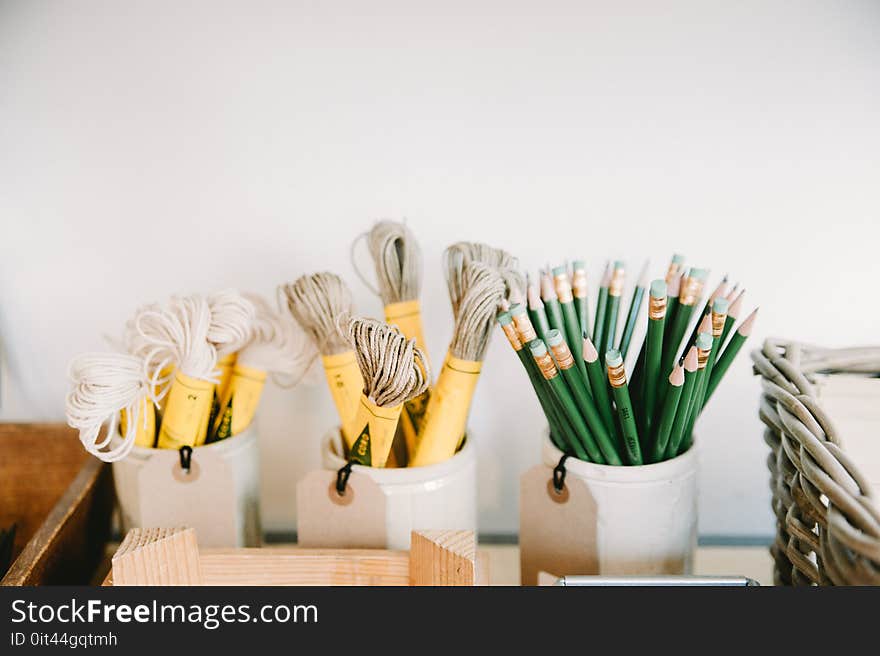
186,454
342,478
559,474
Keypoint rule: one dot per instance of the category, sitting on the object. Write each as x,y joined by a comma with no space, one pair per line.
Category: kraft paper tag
203,499
557,531
325,519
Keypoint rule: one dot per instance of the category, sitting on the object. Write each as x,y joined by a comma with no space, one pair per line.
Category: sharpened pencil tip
590,352
676,378
691,362
745,328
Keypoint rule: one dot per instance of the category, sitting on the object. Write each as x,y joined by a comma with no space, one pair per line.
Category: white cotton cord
321,303
104,385
457,257
278,345
232,320
177,337
397,260
482,290
394,369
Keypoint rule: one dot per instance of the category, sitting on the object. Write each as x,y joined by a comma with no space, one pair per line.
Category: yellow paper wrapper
377,428
446,416
239,405
346,386
185,420
166,371
144,436
225,366
407,315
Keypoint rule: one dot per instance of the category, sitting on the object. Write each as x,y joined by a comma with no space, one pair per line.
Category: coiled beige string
393,368
483,289
321,303
459,255
104,385
278,345
397,260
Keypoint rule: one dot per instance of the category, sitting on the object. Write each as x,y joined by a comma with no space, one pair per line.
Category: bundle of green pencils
595,411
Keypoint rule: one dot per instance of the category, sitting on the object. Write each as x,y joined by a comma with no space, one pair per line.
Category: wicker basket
828,521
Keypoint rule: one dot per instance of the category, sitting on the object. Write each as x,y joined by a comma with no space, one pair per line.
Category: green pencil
663,428
557,432
617,379
691,288
569,317
727,356
578,386
536,310
581,296
707,310
632,315
551,303
732,315
691,365
704,351
675,268
563,394
599,385
615,291
602,307
653,352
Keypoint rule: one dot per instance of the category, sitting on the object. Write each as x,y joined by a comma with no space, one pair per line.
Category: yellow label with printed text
377,428
447,412
346,387
239,405
407,315
187,410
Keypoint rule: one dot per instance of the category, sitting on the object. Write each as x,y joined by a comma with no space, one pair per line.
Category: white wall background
150,148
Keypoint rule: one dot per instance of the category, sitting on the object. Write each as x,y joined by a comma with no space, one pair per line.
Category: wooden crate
61,500
172,557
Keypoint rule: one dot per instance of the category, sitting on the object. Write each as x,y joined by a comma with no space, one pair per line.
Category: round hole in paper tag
182,475
344,498
559,496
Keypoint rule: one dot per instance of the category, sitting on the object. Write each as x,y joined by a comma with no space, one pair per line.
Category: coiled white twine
104,385
321,304
482,289
278,345
175,337
460,254
232,321
397,260
393,368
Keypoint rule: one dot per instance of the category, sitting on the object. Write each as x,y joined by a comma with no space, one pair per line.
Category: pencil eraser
720,305
504,318
699,274
578,265
658,288
677,258
619,264
537,347
613,358
704,341
517,309
559,271
554,337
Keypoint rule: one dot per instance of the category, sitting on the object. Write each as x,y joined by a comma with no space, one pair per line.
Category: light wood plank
443,558
158,556
293,566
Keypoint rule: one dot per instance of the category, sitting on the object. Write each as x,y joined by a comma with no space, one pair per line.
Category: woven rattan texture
827,522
